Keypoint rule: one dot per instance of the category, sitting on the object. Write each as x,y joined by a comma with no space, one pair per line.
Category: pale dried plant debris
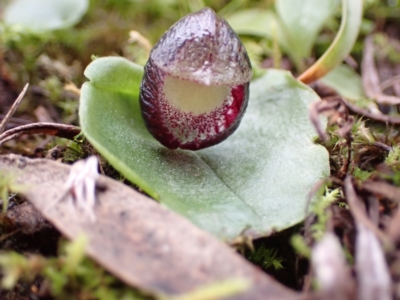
137,37
370,78
133,236
43,115
58,68
80,188
390,82
329,264
72,88
392,193
374,281
358,210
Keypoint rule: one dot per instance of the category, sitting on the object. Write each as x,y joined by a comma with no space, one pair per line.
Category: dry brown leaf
137,239
332,273
374,281
393,193
383,188
357,208
370,78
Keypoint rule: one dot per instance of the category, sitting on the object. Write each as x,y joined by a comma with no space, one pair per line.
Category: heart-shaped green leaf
43,15
258,179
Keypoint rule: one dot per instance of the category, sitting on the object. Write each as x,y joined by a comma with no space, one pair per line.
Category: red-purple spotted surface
195,86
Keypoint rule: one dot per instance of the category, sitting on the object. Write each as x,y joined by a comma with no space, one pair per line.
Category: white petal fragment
80,187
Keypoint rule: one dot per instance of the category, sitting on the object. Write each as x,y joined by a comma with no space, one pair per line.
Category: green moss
267,258
70,275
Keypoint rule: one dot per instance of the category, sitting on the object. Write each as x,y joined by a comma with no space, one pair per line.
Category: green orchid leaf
44,15
301,23
346,82
255,182
341,46
255,22
115,74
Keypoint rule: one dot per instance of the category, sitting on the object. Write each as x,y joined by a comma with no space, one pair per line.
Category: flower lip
192,97
203,48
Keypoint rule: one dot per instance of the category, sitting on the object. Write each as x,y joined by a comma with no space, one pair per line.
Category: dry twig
333,274
392,193
374,281
60,130
334,108
370,78
359,212
373,116
13,108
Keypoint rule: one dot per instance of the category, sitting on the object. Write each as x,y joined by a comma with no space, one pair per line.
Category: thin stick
358,210
13,108
54,129
370,78
373,116
7,235
391,81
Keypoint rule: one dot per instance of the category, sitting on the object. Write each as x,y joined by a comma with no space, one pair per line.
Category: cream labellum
195,87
